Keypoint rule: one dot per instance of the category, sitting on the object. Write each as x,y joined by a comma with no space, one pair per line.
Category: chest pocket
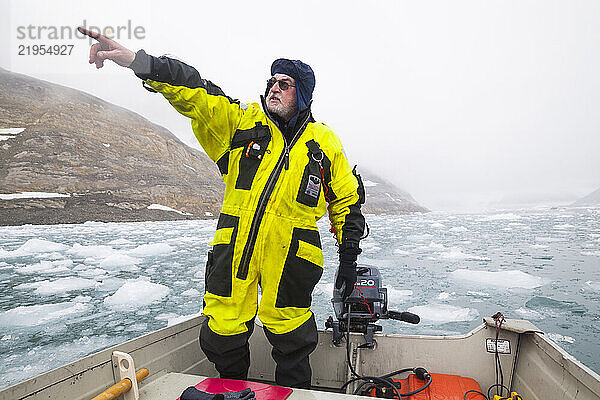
318,168
253,143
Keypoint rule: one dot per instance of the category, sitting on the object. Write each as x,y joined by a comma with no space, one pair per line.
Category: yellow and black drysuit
275,191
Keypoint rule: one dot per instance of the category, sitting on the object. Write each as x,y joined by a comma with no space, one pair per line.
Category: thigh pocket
302,270
218,274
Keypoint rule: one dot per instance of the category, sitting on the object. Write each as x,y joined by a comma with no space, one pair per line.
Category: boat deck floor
171,385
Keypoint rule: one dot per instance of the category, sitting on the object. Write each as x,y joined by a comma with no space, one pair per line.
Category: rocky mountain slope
383,197
592,199
112,163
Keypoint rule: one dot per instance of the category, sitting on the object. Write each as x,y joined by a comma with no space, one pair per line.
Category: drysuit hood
302,74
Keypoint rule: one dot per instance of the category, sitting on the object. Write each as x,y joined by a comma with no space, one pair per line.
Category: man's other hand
107,49
346,279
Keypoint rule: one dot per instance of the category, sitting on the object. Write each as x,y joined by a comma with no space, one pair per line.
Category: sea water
67,291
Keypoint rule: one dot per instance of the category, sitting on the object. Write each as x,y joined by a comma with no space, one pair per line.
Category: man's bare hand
107,49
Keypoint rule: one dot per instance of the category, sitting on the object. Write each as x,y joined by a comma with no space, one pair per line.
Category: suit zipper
264,198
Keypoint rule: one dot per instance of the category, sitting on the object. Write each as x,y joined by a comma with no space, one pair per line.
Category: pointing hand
107,49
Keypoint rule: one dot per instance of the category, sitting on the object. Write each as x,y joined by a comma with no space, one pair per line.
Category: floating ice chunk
401,252
502,217
51,256
592,286
325,288
445,295
557,337
173,319
417,238
503,279
95,251
151,249
436,246
106,144
83,299
137,293
41,314
368,183
370,246
549,239
62,285
46,267
458,229
477,294
443,313
119,260
398,295
456,253
165,208
96,273
527,313
120,242
591,253
539,246
34,246
191,292
109,284
437,225
208,214
564,226
31,195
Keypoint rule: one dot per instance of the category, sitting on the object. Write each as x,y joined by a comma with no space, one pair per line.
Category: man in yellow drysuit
282,171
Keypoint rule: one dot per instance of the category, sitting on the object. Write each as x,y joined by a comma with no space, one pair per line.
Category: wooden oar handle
121,387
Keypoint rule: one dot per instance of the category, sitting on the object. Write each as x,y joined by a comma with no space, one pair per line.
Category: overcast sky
462,104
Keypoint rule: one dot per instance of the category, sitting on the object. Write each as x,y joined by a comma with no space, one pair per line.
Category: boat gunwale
568,362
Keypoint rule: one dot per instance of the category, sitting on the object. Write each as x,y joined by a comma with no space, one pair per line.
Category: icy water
67,291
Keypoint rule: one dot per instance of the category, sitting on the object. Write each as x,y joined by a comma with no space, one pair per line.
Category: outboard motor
366,305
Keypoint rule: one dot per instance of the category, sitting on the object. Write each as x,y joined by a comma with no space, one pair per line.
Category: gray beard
285,113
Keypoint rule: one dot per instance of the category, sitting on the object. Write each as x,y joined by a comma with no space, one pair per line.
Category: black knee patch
230,354
291,351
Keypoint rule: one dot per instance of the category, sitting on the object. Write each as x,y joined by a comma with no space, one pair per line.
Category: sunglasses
283,85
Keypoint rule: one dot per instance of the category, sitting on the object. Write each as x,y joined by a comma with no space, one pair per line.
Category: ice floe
151,250
456,253
120,242
458,229
34,246
445,295
41,314
46,267
399,295
501,217
62,285
592,286
191,292
118,261
564,226
529,314
557,337
137,293
368,183
503,279
443,313
401,252
94,251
